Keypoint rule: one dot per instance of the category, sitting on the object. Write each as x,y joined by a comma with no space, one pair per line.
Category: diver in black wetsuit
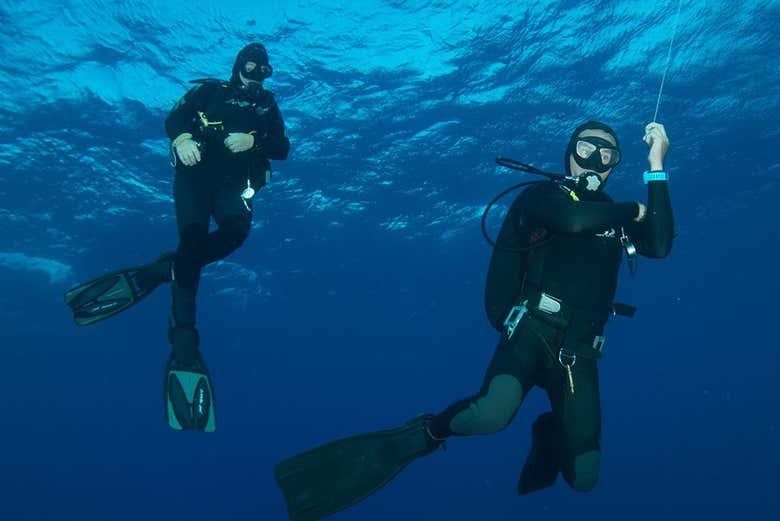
223,134
552,334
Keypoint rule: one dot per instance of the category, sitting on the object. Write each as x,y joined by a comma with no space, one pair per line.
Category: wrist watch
655,175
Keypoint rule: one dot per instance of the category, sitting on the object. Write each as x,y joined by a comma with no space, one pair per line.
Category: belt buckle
549,304
598,343
514,317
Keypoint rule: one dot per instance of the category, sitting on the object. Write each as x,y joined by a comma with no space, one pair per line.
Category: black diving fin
115,292
188,391
334,476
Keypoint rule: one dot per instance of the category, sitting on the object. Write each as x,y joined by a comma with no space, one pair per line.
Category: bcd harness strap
582,327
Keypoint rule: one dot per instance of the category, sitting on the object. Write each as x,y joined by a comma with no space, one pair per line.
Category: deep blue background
357,301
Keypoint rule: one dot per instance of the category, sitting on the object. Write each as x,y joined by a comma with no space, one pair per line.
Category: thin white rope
668,61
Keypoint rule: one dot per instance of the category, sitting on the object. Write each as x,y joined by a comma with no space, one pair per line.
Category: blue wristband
658,175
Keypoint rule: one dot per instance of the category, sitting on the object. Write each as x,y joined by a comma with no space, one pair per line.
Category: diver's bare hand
656,139
188,152
239,142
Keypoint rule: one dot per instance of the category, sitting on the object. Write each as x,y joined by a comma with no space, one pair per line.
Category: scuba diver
222,135
550,288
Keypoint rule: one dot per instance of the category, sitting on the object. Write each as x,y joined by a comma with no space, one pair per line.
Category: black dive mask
595,154
258,73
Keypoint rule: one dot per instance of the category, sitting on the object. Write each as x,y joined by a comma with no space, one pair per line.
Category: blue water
356,303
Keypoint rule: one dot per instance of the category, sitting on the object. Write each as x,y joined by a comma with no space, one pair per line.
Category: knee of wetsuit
493,410
190,255
235,230
582,473
493,421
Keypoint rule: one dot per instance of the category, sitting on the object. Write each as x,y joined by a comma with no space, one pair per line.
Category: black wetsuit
577,268
213,187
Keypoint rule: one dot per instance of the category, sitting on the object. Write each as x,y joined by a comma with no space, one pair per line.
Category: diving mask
596,154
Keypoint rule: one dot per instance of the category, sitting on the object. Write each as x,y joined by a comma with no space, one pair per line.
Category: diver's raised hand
186,149
239,142
656,139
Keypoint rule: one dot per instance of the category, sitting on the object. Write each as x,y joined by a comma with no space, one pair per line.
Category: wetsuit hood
588,125
254,52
